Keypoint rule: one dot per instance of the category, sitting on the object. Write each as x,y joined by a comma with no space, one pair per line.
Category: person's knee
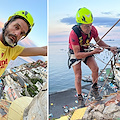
96,69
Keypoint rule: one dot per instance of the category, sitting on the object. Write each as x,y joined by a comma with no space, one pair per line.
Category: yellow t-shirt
6,54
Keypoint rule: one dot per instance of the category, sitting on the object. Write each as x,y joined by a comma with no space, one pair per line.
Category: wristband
109,48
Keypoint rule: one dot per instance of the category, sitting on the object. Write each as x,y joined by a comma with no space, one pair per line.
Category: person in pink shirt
79,41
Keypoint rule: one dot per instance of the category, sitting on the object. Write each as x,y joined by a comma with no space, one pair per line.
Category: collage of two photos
84,63
59,60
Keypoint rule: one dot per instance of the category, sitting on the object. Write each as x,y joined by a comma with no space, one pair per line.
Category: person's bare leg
94,68
78,76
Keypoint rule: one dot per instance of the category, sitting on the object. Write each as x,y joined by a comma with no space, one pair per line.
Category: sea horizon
61,78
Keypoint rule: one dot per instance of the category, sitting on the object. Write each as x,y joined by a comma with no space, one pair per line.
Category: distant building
38,84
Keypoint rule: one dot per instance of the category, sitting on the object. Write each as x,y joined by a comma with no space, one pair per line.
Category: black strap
78,30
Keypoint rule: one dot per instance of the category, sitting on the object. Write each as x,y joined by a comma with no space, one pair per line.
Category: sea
61,78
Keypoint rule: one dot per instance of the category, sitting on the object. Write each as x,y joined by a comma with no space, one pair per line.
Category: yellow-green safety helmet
26,16
84,16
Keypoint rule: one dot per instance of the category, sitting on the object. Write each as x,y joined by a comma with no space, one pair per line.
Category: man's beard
8,40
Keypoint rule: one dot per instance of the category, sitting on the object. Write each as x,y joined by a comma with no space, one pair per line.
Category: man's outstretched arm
34,51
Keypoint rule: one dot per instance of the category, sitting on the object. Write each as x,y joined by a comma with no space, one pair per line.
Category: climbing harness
71,58
83,44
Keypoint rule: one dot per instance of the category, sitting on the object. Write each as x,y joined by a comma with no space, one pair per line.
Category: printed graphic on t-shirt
2,51
3,61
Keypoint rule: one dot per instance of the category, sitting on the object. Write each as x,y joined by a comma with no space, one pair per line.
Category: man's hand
113,50
97,50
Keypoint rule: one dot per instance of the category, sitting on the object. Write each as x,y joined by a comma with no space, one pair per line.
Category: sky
37,8
62,17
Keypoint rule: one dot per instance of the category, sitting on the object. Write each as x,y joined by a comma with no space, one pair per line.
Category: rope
105,81
100,59
108,31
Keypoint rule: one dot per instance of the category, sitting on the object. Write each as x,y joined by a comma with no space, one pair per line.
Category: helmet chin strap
6,39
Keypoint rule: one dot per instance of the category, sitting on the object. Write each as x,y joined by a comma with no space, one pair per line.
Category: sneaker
81,102
95,93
